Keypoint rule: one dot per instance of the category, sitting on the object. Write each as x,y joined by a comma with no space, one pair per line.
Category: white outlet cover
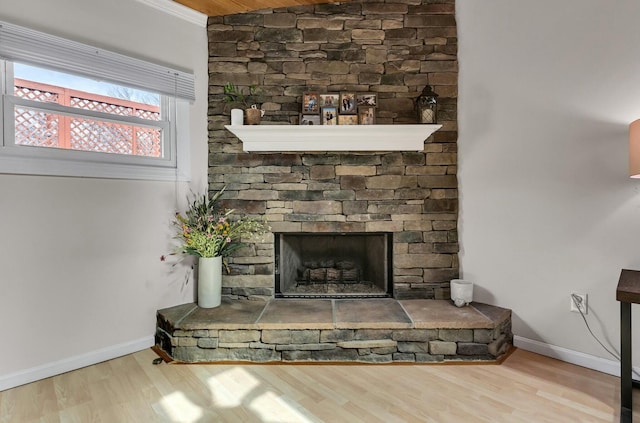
574,308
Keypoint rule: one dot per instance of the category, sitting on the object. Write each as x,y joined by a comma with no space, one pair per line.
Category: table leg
626,399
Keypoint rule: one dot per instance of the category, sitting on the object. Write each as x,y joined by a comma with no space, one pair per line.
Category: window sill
54,167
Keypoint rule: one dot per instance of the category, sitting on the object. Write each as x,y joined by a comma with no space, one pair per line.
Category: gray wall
547,90
80,275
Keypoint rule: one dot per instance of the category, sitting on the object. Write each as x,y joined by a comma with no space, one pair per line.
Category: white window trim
51,162
168,159
29,160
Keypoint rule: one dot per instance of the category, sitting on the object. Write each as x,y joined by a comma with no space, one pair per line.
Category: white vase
461,292
237,117
209,281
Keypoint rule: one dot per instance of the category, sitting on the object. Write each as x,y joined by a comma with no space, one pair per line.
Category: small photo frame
348,103
348,120
329,100
367,99
310,119
310,103
366,115
329,115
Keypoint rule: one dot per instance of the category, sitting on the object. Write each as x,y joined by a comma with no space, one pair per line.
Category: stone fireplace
392,48
352,221
333,265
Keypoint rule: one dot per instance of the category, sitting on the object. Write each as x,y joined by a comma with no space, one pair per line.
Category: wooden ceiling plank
232,7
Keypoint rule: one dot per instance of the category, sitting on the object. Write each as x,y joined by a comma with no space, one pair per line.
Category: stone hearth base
341,330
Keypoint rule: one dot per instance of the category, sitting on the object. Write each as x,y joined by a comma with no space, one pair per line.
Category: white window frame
31,160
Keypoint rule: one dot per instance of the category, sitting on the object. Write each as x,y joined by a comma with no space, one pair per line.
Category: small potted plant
249,99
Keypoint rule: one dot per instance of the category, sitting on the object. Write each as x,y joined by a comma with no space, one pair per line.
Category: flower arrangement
207,231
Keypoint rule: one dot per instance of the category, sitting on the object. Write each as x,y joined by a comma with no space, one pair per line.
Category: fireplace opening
333,265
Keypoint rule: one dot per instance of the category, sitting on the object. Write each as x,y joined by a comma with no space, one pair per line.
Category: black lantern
427,106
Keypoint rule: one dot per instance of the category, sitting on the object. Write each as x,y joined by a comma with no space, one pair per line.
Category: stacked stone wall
362,345
392,48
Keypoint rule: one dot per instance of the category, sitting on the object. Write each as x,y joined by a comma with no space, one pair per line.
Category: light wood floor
525,388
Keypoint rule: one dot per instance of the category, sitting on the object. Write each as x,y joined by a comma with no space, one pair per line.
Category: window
93,118
71,109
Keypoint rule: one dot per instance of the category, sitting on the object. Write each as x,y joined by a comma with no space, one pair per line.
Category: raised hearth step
335,330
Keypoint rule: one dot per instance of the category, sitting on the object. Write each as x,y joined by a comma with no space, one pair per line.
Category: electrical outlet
579,300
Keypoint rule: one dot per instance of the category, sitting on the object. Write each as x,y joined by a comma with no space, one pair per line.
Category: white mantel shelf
333,138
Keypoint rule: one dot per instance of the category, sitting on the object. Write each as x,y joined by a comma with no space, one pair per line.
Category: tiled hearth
335,330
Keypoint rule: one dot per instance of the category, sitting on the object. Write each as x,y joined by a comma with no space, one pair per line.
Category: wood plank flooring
525,388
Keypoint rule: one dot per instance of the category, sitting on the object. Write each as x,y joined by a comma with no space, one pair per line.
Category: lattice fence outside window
48,129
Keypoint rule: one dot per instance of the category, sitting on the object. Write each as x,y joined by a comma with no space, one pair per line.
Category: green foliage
244,97
207,231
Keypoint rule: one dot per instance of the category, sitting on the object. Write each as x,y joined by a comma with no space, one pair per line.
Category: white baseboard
22,377
72,363
600,364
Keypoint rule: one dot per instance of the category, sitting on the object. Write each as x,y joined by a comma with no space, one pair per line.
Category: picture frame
329,115
366,115
348,103
329,100
310,119
348,119
310,103
367,99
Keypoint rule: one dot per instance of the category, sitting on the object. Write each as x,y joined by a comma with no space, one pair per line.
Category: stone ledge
363,330
374,343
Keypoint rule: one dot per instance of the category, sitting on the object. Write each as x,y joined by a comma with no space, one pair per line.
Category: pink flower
222,220
228,240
